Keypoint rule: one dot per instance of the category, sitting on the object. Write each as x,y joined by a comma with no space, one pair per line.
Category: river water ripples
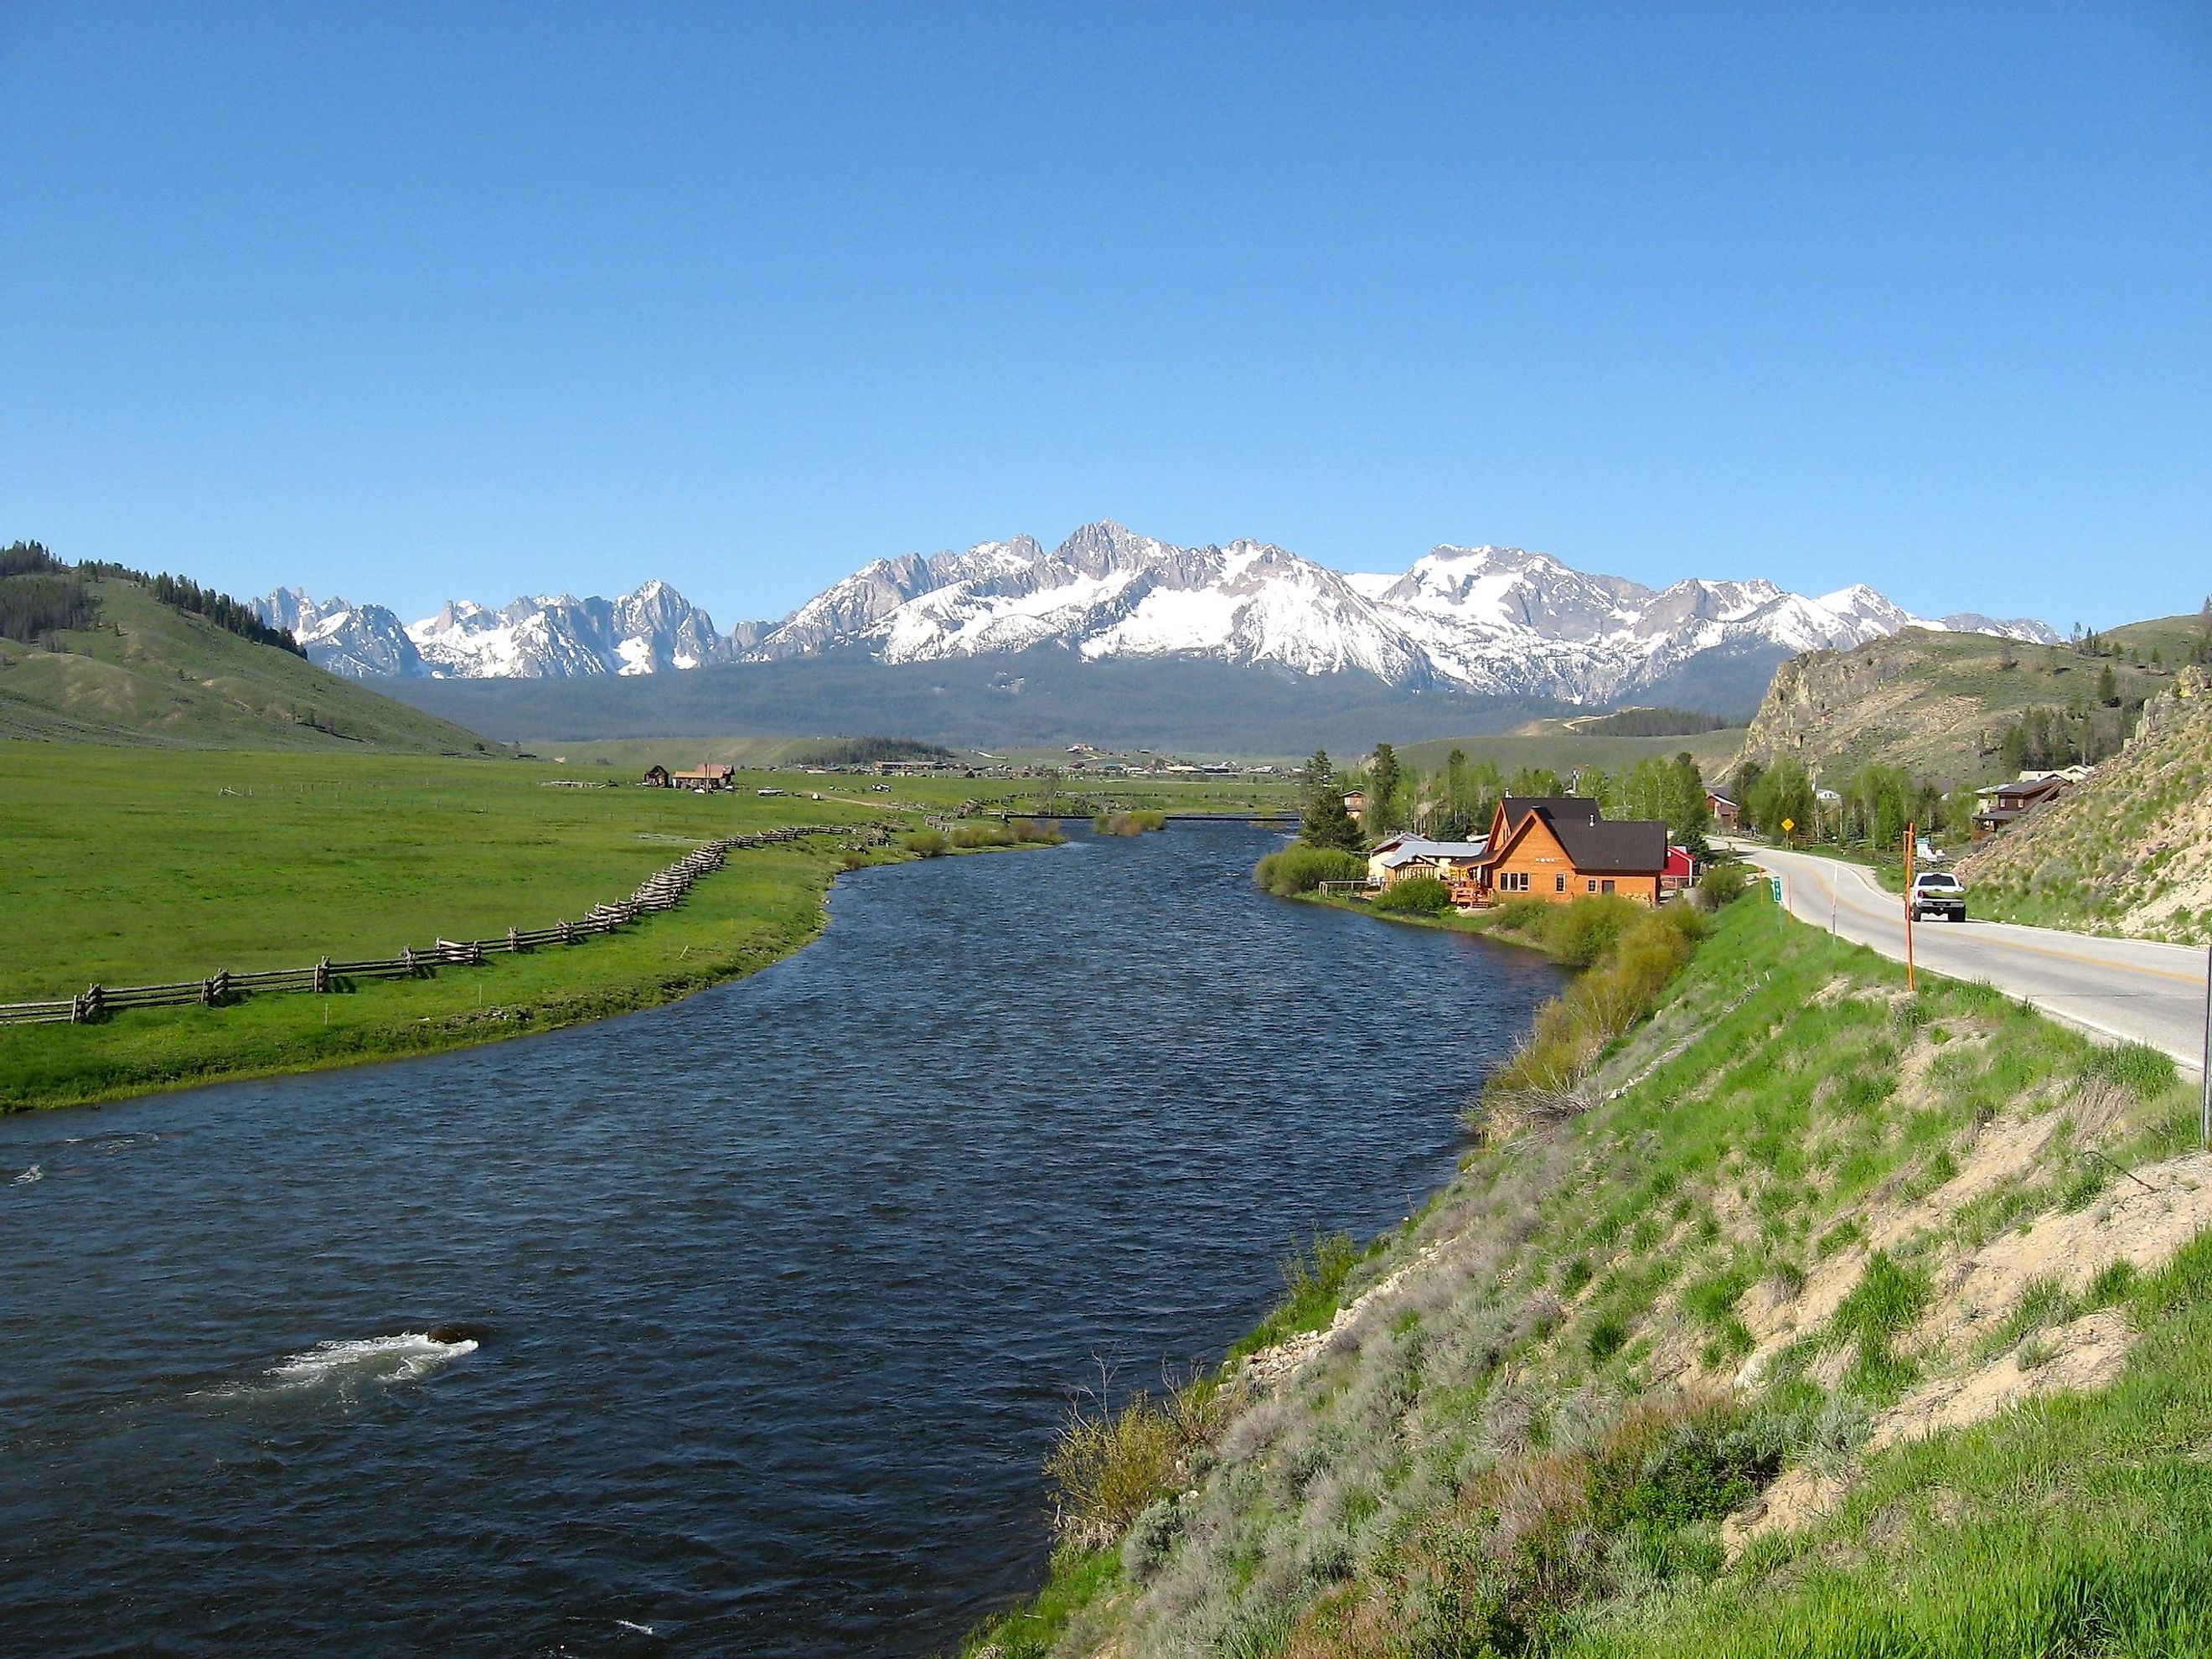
740,1326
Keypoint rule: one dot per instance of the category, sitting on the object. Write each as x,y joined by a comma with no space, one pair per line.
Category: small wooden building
656,777
710,774
1726,815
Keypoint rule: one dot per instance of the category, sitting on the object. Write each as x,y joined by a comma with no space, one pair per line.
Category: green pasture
764,763
134,866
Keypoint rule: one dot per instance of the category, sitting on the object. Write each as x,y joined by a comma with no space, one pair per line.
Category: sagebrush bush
926,843
1128,823
1300,869
1153,1538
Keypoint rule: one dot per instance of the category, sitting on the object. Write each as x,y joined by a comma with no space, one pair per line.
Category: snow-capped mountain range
549,637
1487,619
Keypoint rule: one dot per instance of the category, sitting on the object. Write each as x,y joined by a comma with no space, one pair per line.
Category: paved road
2152,994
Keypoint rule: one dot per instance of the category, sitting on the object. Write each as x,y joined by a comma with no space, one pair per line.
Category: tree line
39,595
1457,800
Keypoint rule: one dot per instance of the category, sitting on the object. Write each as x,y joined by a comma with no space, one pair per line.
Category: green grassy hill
1940,704
1558,744
144,673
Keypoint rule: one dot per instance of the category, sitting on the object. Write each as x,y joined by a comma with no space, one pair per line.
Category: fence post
513,944
88,1005
323,977
407,957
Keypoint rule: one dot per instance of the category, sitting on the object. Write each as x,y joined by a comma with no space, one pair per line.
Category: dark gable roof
1630,847
1555,809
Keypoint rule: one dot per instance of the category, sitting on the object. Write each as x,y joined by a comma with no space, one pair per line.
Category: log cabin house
1560,848
656,777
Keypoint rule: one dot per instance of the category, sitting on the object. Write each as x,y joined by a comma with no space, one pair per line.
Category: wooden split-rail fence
662,891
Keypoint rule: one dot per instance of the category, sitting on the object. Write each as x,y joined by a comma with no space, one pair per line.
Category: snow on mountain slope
551,636
1501,620
1496,619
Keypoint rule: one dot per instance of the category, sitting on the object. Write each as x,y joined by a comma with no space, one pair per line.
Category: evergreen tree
2108,687
1383,776
1324,822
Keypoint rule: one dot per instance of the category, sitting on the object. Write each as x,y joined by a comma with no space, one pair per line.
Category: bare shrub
1110,1465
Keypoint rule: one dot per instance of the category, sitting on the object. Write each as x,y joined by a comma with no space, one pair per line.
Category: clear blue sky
406,302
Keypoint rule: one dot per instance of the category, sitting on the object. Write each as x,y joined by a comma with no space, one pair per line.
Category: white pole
2204,1104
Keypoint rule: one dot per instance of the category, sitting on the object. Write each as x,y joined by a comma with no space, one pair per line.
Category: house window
1559,884
1605,887
1592,883
1513,881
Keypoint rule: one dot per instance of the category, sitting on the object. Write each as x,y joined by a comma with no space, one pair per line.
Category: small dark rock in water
455,1333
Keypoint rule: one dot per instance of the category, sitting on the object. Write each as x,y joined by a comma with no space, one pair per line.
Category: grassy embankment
1809,1318
131,866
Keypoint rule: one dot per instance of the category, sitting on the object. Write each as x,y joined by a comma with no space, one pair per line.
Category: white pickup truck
1938,893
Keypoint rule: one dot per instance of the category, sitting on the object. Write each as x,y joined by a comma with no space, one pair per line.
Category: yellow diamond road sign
1787,825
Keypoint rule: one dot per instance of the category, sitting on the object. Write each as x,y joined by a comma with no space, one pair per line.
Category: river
781,1291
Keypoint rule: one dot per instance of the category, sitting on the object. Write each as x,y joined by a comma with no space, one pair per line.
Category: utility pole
2204,1104
1911,981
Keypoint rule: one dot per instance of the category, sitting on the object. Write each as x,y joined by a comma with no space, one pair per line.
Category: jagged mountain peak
545,635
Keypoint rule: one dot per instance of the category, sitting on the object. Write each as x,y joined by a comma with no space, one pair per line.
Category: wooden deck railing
662,891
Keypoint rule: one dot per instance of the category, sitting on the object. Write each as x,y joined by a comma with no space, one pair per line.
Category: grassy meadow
765,763
131,866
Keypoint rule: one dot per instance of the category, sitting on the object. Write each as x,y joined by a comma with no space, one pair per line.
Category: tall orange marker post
1911,983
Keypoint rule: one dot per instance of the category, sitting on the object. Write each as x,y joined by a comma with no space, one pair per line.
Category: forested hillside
97,654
